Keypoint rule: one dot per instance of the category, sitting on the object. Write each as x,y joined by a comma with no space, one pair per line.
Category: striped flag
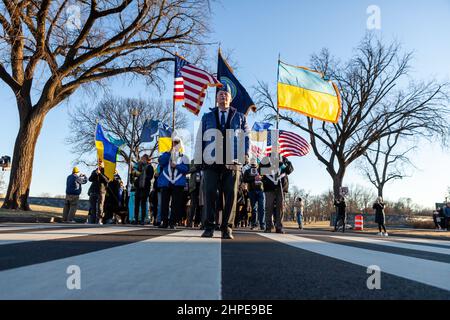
195,83
289,144
178,89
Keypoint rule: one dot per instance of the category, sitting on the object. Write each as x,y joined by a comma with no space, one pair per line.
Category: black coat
149,173
379,212
287,168
340,208
99,182
249,178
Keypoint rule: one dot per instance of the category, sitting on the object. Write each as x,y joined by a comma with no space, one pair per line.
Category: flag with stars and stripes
178,89
193,85
289,144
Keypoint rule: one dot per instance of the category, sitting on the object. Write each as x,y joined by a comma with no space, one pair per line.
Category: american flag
178,89
289,144
191,84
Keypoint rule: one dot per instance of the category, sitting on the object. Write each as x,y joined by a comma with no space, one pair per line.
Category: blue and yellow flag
164,139
305,91
106,151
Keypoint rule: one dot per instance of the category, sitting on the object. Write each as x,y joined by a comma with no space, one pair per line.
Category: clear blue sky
256,32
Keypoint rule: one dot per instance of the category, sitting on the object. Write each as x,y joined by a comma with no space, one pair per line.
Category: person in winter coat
275,186
142,176
172,181
340,213
113,198
299,207
380,218
252,176
97,193
73,191
195,209
222,172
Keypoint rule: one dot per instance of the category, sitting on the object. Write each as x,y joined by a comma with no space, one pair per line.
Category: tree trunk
22,162
380,190
338,179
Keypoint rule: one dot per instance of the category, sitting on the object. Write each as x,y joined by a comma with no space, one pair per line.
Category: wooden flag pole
278,79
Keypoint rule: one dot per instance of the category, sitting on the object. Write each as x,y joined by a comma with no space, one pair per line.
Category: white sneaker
380,234
386,234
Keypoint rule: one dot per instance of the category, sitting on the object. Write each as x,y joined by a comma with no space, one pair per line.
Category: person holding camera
252,176
380,218
73,191
340,213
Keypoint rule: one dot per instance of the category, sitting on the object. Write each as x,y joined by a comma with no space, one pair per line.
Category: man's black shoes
208,234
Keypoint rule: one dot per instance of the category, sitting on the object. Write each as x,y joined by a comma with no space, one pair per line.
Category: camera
5,163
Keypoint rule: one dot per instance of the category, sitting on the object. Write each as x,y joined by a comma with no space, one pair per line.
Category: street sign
344,191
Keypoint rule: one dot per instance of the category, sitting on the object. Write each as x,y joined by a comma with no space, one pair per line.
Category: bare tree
372,105
51,48
383,164
114,114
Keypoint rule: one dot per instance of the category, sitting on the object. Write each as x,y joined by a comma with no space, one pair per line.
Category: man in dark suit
222,167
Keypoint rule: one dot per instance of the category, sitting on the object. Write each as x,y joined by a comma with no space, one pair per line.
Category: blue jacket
236,121
73,184
177,177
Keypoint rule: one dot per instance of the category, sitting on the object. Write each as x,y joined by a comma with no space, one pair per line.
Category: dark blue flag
149,130
241,99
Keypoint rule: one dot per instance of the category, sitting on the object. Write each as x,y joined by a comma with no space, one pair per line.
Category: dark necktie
222,119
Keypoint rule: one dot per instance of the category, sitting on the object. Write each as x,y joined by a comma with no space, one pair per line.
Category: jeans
97,202
257,199
300,218
342,218
274,208
140,203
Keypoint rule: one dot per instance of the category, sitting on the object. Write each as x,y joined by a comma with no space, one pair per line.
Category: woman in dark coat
340,213
380,218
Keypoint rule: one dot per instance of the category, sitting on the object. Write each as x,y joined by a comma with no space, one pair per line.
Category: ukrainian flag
106,151
165,139
305,91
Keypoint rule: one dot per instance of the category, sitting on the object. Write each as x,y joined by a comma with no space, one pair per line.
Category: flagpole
278,79
173,98
134,113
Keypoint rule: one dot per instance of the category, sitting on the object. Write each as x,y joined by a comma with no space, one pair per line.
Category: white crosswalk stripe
423,271
179,266
395,244
182,266
10,238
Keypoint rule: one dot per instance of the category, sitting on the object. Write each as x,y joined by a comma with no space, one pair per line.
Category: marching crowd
216,196
213,196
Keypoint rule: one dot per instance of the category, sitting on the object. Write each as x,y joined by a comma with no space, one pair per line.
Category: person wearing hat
222,167
172,181
73,191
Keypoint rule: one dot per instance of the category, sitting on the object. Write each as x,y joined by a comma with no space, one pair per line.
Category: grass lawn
38,212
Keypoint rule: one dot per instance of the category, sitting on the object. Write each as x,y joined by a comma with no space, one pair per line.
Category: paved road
147,263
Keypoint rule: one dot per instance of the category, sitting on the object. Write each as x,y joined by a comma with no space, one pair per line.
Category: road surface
48,261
